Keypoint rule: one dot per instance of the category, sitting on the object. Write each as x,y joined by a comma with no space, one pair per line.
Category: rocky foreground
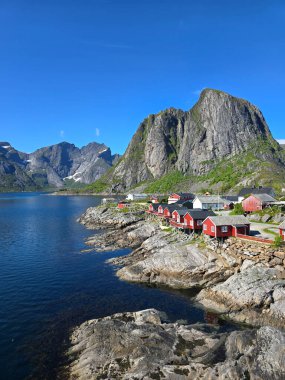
238,280
139,346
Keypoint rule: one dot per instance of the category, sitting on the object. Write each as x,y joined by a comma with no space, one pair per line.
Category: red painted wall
282,233
166,213
188,218
160,210
178,218
251,204
208,231
219,233
122,205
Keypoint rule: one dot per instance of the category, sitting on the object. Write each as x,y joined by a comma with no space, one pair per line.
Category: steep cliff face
218,127
52,166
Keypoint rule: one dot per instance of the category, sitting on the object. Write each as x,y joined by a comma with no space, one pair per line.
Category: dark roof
184,203
155,206
171,207
231,198
181,211
200,214
255,190
162,204
185,195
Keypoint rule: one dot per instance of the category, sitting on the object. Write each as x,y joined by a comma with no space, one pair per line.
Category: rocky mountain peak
53,165
217,127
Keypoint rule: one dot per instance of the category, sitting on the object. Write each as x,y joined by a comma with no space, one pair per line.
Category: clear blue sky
91,70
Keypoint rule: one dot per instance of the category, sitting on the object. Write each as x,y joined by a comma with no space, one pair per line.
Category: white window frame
205,227
212,228
224,229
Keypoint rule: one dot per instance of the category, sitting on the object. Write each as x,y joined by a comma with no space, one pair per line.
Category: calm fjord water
47,285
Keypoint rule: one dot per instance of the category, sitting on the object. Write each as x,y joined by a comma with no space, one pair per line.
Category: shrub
278,241
237,210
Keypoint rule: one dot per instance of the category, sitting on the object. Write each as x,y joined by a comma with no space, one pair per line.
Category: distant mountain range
54,166
222,143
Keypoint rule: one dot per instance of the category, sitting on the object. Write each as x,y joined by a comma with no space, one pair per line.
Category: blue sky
91,70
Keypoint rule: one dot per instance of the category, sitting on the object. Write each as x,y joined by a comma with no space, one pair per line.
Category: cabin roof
172,207
183,194
255,190
200,214
231,198
264,197
181,211
156,205
211,199
233,220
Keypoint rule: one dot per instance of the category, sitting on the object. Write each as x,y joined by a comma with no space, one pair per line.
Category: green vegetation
269,231
166,183
238,210
98,186
70,184
278,241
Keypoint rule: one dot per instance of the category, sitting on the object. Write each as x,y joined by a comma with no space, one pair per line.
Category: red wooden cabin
123,204
282,230
174,197
256,202
153,208
226,226
193,219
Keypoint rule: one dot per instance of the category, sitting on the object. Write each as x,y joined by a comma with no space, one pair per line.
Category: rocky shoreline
140,346
239,280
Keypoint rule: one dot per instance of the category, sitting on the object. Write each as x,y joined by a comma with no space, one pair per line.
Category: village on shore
218,216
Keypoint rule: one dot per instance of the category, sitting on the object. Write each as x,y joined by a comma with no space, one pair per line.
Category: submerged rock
139,346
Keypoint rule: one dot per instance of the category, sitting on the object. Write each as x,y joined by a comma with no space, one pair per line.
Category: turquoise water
47,285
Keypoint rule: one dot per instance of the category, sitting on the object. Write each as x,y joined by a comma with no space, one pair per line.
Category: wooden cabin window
199,222
205,227
212,229
224,228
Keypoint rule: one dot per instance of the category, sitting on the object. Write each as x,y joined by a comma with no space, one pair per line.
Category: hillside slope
220,132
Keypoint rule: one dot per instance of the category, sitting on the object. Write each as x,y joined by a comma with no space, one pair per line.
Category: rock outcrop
53,166
240,280
218,127
140,346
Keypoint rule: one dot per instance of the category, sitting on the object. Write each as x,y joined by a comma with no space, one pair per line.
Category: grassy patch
166,183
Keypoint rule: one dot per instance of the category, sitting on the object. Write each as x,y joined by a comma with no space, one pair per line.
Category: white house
210,202
136,197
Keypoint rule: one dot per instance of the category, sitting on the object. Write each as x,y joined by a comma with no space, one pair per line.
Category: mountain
221,142
12,169
53,166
